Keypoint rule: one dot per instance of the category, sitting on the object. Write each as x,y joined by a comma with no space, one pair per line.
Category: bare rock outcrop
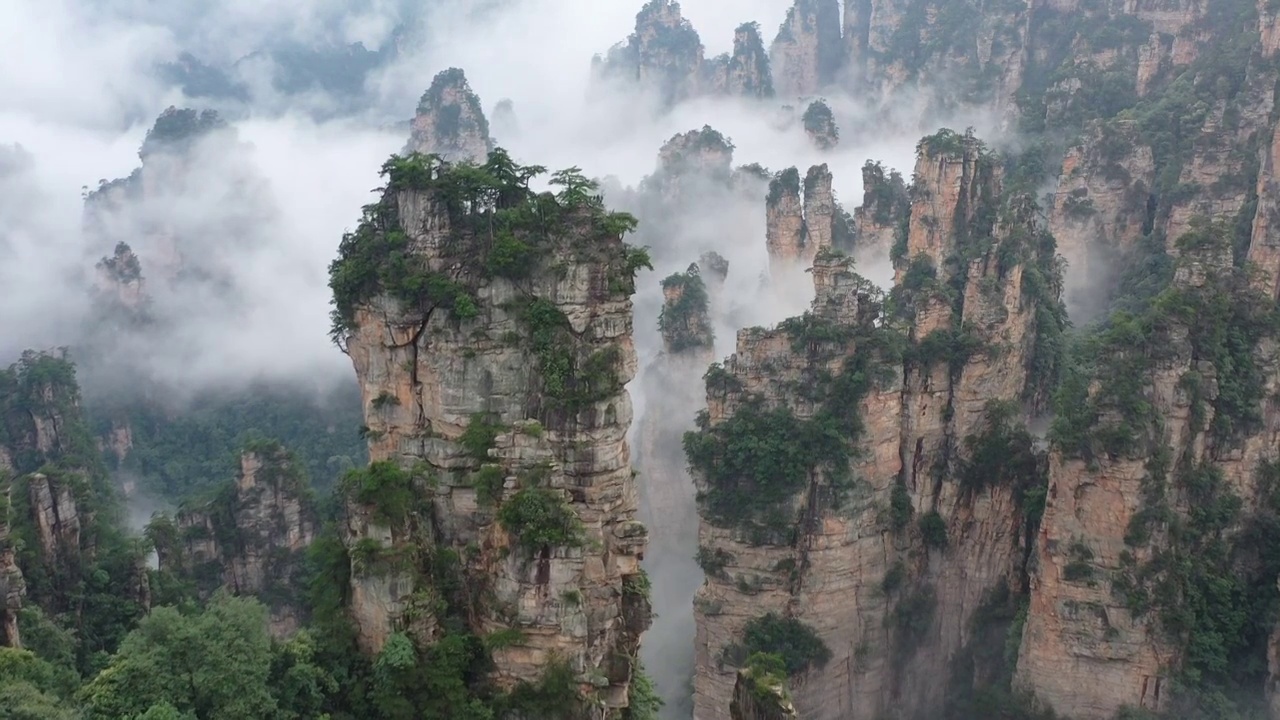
497,423
885,208
799,227
875,552
806,53
450,121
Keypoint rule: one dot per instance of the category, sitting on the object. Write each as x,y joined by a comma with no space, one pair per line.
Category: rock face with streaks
251,540
497,422
450,121
799,227
806,53
747,72
876,530
820,125
885,208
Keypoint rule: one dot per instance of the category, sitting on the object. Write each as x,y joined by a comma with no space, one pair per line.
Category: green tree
213,665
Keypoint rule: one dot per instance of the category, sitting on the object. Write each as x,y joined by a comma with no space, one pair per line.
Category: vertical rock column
502,394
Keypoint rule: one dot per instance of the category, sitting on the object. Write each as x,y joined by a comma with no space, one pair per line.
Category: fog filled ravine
569,360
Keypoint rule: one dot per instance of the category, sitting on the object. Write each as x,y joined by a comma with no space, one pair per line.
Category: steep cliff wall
664,55
251,539
450,121
61,547
851,504
491,334
799,227
806,53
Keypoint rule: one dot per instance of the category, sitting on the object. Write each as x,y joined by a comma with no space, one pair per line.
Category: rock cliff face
251,540
885,208
807,51
745,73
497,422
876,547
664,55
799,228
450,121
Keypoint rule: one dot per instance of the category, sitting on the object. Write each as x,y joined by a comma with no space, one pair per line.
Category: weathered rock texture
450,121
552,414
887,553
807,51
885,208
745,73
799,228
252,539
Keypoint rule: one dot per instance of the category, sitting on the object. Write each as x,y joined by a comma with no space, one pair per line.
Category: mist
264,205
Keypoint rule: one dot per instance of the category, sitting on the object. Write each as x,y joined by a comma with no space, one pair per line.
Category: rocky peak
494,383
250,539
886,207
664,54
820,125
450,121
955,186
799,228
808,51
876,554
714,269
505,123
176,130
746,72
685,321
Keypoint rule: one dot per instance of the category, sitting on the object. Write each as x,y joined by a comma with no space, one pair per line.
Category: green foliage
479,437
643,702
795,643
713,561
554,697
1225,319
540,518
885,194
768,672
933,529
385,487
214,664
900,509
684,321
488,482
820,123
786,182
573,376
499,229
436,684
179,452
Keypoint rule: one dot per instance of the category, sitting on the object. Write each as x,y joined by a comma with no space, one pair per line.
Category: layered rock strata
500,396
881,546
